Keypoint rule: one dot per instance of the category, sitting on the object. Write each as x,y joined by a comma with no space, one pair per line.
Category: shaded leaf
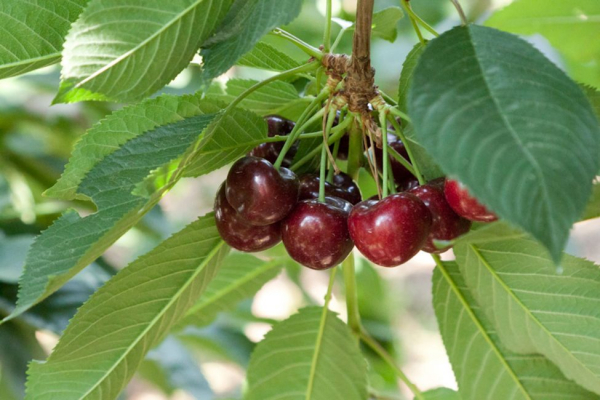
311,355
593,208
127,50
34,32
110,335
500,117
441,394
408,68
239,278
245,23
570,26
534,307
265,56
484,369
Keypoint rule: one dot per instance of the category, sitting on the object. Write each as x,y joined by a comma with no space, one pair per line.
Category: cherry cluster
258,206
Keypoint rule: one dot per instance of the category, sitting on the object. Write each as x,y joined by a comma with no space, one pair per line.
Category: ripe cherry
466,205
270,151
343,187
316,234
447,225
259,193
401,175
391,231
239,234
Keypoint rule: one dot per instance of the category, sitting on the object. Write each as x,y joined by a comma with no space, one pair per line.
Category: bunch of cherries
258,206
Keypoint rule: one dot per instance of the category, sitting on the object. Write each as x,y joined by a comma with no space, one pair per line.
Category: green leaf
441,394
483,367
240,277
110,335
170,366
244,25
265,56
593,96
269,99
593,208
120,50
385,23
408,69
570,26
312,355
427,164
500,117
534,307
33,33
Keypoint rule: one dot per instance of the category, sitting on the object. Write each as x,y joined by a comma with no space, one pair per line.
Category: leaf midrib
199,269
534,319
124,56
30,61
481,329
315,359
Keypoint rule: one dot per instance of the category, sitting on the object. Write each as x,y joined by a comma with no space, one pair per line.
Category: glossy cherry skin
466,205
270,151
239,234
343,187
446,224
259,193
401,175
391,231
316,234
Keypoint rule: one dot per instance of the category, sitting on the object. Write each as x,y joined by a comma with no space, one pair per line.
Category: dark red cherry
239,234
466,205
316,234
401,175
270,151
343,187
391,231
408,185
447,225
259,193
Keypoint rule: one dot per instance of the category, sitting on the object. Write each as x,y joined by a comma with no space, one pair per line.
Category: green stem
399,113
388,99
377,348
331,172
386,160
336,134
338,39
290,72
327,33
400,134
323,170
461,12
355,151
398,157
301,124
351,295
414,16
413,20
302,45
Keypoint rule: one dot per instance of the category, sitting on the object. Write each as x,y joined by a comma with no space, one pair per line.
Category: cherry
270,151
447,225
343,187
401,174
261,194
466,205
391,231
316,234
408,185
239,234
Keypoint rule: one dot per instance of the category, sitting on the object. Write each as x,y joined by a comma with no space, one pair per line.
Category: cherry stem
327,33
337,133
415,17
324,151
385,356
355,151
398,157
413,20
385,161
331,172
300,126
399,113
400,134
461,12
302,45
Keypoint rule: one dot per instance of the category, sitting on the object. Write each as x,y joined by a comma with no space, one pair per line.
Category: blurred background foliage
208,362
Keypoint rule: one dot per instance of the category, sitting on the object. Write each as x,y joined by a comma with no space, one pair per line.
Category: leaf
534,307
441,394
500,117
240,277
593,96
269,99
385,23
171,366
571,27
408,69
33,33
311,355
593,208
484,369
265,56
110,335
126,50
245,23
